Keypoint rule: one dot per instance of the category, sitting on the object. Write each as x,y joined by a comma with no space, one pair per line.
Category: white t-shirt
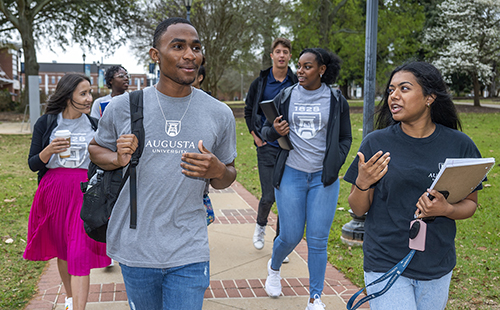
99,105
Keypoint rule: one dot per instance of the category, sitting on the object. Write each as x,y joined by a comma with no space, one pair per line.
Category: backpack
101,190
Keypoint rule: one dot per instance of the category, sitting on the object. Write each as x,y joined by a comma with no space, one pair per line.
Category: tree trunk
345,91
213,89
326,24
493,85
477,90
30,63
266,59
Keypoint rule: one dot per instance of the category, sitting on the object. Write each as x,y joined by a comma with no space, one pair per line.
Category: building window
14,63
53,79
39,79
59,78
142,81
91,80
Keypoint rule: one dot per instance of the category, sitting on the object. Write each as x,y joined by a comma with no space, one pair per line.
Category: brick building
49,75
9,69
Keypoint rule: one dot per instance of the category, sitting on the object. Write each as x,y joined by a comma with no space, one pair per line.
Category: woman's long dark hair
58,101
443,110
327,58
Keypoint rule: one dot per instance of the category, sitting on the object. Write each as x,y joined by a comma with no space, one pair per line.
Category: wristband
363,190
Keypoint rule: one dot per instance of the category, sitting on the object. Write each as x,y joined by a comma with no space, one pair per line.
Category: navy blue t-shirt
273,87
414,164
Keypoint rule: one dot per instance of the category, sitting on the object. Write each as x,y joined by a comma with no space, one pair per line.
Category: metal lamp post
83,56
98,78
188,4
353,232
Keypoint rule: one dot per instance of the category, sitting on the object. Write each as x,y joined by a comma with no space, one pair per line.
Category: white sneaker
273,282
112,264
316,305
286,260
68,303
258,236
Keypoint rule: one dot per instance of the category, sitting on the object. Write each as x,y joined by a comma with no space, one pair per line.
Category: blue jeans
409,294
174,288
302,199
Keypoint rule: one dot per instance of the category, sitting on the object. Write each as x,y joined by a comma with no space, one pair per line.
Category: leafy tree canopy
339,26
92,23
465,40
230,31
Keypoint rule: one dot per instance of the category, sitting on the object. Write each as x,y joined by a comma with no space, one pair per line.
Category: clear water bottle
95,178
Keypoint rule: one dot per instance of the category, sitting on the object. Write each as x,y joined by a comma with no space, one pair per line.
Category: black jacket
338,137
41,138
254,96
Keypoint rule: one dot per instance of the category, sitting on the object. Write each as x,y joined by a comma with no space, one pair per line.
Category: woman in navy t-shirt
418,129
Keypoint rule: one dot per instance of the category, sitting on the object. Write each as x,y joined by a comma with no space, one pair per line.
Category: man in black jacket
269,83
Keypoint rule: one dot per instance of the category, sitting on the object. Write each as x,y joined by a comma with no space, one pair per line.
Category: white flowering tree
466,39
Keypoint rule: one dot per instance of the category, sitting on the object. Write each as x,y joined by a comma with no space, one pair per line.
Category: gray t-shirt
99,105
308,118
81,135
171,219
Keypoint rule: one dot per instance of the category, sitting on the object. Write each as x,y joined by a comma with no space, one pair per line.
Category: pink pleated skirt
55,228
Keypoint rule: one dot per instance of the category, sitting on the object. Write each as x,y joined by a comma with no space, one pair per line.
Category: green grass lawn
475,283
481,100
476,278
18,278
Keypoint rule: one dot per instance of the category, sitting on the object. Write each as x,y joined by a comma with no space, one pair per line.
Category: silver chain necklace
172,127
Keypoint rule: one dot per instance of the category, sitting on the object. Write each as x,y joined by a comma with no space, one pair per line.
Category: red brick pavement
51,291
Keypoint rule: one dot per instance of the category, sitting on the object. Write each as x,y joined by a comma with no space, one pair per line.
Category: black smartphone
432,218
444,193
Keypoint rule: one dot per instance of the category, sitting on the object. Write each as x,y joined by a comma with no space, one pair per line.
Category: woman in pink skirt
55,228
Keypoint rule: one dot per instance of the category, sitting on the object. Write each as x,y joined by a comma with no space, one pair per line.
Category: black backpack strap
50,118
136,119
137,128
93,122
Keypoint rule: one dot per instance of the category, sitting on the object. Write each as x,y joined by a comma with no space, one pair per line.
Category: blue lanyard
393,274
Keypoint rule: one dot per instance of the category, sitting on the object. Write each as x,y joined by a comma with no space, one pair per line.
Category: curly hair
110,73
58,101
443,110
329,59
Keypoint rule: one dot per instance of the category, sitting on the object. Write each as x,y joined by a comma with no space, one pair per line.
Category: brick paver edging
51,291
335,282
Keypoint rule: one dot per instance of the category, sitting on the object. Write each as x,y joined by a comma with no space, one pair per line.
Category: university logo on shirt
78,151
172,128
307,119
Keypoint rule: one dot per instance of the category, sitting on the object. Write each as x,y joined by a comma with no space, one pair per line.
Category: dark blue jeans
266,157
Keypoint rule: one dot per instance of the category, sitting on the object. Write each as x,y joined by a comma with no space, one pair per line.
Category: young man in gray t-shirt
189,137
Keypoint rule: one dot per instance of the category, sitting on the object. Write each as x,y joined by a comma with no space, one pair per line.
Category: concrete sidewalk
12,128
237,269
